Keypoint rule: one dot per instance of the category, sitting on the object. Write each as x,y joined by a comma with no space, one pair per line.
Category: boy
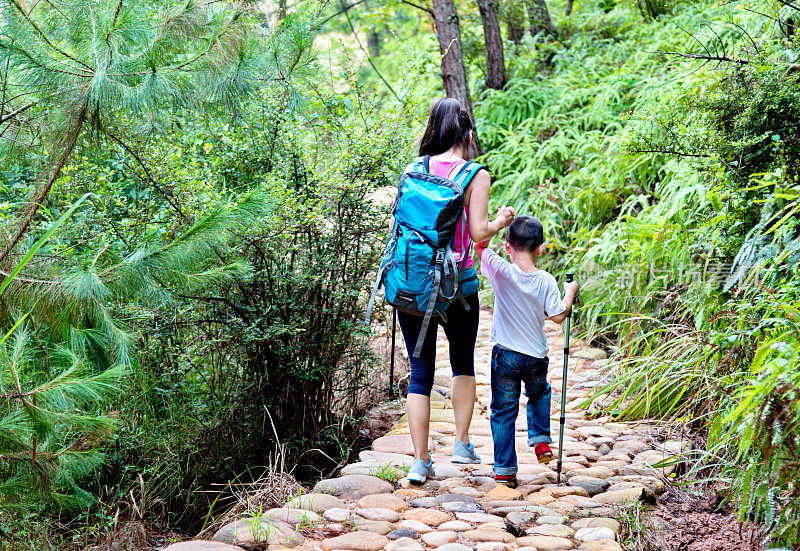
524,297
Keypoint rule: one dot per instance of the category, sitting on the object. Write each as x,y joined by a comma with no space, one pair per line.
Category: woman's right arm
480,228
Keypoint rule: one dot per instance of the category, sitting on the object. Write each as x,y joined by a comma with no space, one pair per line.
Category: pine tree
75,70
74,66
48,424
54,391
50,431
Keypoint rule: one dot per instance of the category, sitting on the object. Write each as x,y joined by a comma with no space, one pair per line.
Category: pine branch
44,38
89,388
11,365
18,111
114,20
38,199
214,40
29,280
41,65
32,455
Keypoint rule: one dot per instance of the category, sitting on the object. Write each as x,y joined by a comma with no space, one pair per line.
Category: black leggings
461,329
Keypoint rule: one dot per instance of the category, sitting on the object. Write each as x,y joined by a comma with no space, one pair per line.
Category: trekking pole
562,419
391,361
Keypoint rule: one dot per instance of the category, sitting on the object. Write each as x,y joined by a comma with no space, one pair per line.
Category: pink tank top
447,169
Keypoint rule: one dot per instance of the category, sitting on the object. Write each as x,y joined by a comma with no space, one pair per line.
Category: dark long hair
448,125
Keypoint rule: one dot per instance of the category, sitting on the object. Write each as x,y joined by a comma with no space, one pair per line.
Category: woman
447,139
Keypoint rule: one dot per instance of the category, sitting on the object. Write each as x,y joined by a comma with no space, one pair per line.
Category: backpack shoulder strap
467,172
422,164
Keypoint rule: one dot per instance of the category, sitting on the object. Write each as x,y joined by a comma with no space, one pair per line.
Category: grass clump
389,472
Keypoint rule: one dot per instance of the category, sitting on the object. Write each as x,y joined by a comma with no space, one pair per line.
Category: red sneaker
509,480
543,453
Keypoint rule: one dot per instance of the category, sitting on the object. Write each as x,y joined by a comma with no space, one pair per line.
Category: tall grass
667,184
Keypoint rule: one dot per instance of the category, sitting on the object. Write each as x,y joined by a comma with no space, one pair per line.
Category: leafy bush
222,260
294,323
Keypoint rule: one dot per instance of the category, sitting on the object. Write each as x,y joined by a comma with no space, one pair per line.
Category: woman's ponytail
448,125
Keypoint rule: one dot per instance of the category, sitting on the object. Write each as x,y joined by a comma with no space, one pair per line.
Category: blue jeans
509,370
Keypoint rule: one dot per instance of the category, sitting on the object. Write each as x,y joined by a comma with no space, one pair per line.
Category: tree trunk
651,9
539,17
454,73
515,20
373,44
495,61
568,11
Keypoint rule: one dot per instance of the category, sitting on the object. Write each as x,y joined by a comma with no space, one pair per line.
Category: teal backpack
419,270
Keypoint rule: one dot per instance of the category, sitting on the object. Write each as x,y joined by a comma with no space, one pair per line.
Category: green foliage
225,252
257,303
221,259
50,431
58,373
389,472
113,58
294,322
671,186
761,431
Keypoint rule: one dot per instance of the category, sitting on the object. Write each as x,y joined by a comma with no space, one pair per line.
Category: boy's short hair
525,233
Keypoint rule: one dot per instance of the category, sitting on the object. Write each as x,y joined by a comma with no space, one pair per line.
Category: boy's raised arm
481,247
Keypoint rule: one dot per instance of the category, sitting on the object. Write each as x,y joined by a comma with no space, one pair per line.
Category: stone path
606,465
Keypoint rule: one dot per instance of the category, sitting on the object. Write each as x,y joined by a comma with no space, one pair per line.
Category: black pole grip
570,278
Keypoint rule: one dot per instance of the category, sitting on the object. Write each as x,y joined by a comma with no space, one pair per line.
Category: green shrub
670,186
761,432
223,260
274,352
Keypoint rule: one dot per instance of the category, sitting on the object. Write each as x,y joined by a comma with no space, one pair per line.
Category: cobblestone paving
606,465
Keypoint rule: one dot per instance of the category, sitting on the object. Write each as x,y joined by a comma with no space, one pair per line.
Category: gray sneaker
420,471
465,454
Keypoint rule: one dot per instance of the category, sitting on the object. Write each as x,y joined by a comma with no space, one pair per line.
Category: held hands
505,215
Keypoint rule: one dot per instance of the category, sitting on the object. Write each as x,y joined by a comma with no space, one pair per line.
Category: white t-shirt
522,301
